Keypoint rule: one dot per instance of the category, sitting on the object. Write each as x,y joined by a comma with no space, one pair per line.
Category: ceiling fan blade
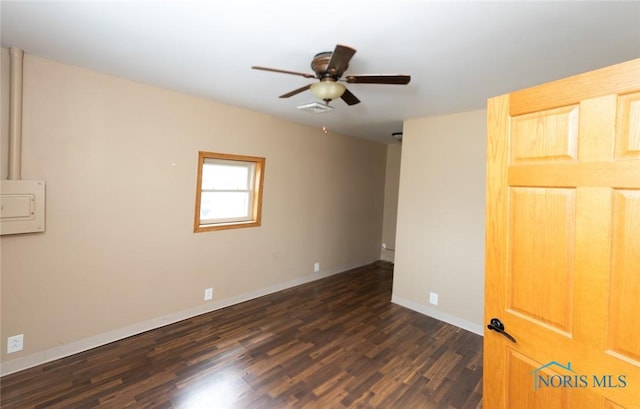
295,91
349,98
340,59
379,79
302,74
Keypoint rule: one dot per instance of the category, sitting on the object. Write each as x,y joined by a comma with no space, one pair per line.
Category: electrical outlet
384,245
208,294
15,343
433,298
316,267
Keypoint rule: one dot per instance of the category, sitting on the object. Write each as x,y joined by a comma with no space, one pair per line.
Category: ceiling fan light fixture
327,90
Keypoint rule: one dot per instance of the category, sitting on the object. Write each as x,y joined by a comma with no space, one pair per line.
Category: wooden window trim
258,183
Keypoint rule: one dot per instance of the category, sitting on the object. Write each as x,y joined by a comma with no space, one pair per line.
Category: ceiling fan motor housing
320,64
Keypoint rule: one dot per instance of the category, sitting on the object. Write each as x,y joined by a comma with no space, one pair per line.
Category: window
229,191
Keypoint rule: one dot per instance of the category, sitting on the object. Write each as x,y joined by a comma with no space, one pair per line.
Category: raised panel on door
541,255
624,298
521,391
543,136
628,138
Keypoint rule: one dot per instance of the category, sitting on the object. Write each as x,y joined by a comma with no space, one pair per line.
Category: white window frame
255,165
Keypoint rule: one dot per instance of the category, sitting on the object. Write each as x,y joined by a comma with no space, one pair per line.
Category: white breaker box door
21,206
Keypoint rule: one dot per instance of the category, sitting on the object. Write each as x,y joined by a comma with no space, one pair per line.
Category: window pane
216,176
224,205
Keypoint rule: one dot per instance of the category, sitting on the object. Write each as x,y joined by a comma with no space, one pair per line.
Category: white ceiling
458,53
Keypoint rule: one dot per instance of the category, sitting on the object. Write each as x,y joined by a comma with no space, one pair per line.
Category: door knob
496,325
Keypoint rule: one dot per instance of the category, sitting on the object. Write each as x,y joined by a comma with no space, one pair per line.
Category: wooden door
563,244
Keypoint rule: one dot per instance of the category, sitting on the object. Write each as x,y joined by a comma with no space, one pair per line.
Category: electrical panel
21,206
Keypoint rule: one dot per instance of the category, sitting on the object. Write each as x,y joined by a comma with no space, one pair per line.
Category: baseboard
39,358
439,315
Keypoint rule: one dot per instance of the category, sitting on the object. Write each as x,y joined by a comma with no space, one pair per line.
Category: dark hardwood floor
334,343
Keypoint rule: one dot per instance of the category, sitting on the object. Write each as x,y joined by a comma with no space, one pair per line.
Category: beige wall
440,233
391,186
119,255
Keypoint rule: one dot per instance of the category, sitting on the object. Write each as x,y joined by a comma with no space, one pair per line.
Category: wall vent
315,108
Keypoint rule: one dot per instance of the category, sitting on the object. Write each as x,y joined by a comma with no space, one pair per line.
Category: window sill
226,226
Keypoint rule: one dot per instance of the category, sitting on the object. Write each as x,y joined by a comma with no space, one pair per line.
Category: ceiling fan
329,66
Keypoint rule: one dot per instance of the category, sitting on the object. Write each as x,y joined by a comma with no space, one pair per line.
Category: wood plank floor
334,343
